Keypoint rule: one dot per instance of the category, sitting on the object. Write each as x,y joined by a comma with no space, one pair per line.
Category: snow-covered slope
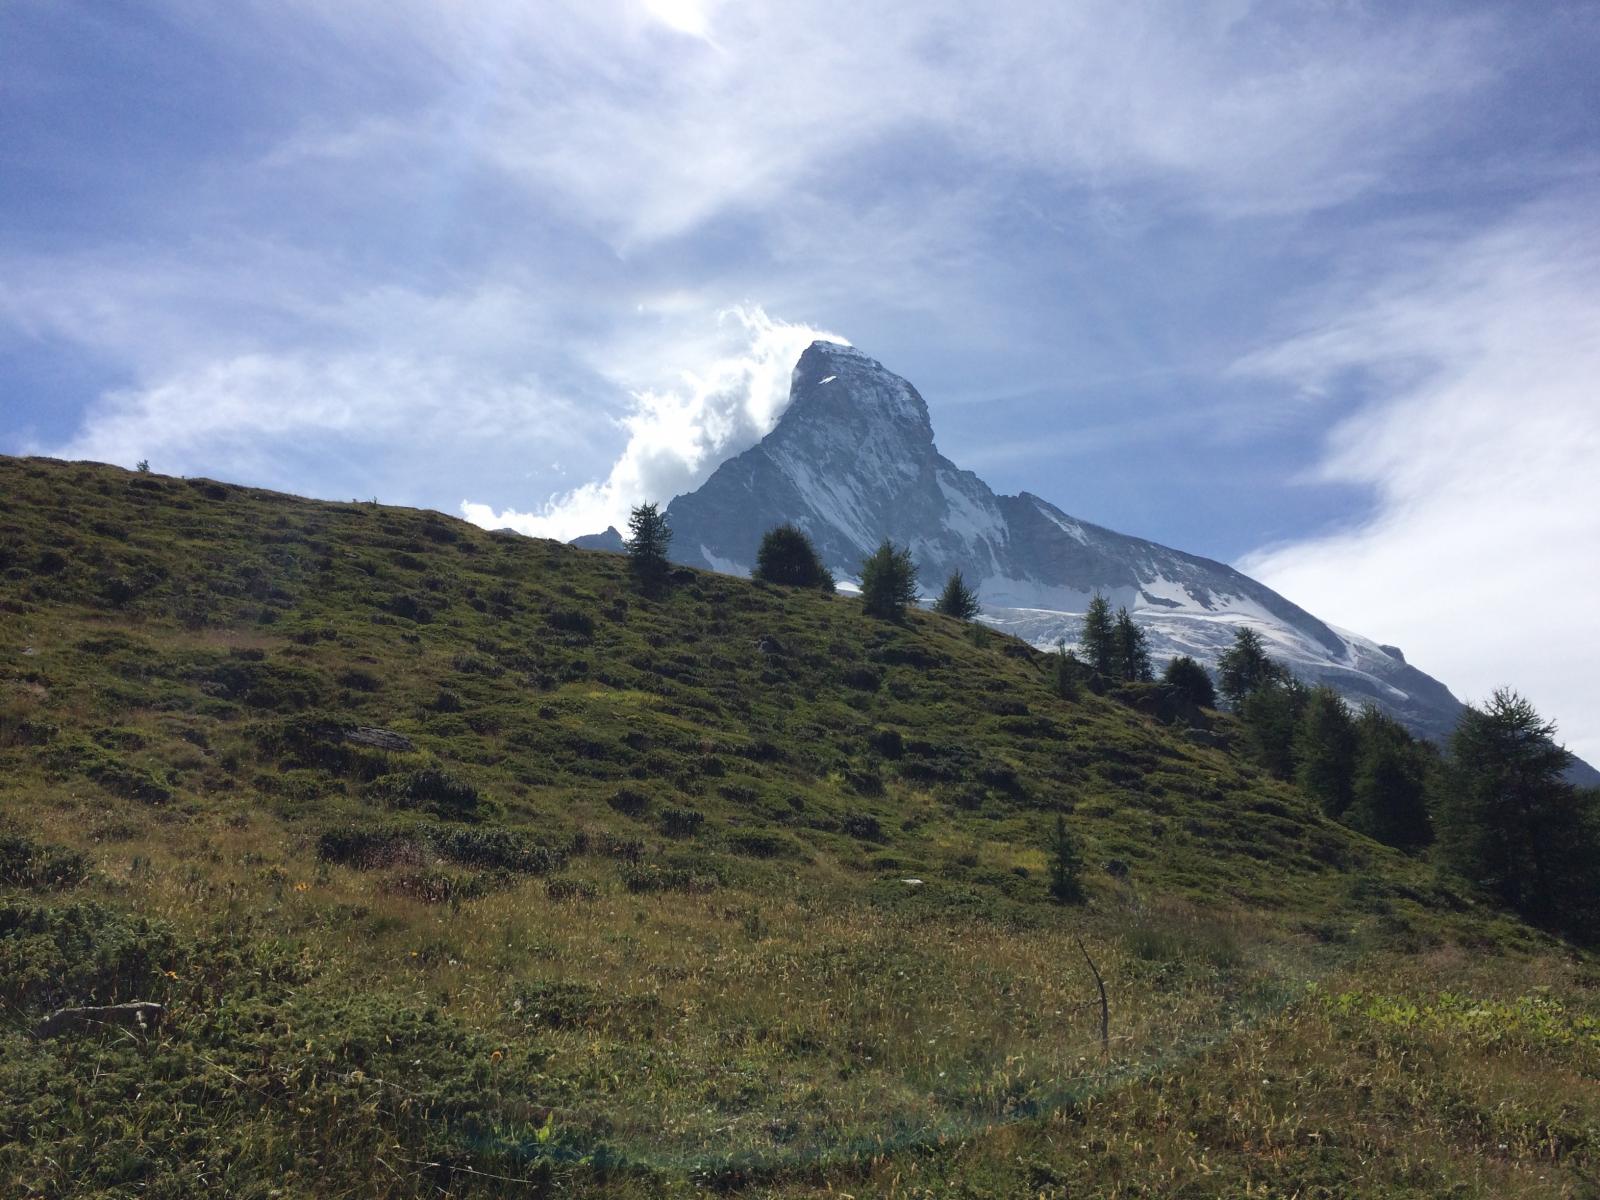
853,461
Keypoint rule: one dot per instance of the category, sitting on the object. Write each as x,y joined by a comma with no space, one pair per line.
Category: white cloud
1228,107
692,17
678,436
1482,558
372,421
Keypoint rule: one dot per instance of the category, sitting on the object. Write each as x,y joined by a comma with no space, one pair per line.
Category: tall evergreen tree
888,581
1389,788
957,600
1325,751
1244,666
1099,639
1271,715
1509,821
649,535
1132,649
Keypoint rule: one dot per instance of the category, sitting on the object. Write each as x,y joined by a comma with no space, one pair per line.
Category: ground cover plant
467,864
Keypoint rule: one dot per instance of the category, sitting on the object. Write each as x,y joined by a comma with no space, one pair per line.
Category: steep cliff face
853,461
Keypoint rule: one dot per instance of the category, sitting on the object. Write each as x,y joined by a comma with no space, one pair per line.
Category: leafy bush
681,822
497,849
368,849
571,620
430,789
649,877
862,678
629,802
26,864
80,954
863,826
887,742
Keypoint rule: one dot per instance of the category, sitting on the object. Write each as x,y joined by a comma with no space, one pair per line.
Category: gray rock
381,739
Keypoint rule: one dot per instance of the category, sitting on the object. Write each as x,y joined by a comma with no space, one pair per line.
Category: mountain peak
841,387
852,461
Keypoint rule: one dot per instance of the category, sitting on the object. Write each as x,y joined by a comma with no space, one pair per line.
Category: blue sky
1309,287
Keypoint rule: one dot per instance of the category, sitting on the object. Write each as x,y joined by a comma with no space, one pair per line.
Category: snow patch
725,565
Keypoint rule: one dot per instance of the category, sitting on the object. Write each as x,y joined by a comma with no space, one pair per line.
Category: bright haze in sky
1313,288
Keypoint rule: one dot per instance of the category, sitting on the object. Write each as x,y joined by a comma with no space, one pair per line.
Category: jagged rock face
853,461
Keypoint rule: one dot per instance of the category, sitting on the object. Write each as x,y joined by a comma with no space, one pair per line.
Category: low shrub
863,826
630,802
25,863
429,789
681,822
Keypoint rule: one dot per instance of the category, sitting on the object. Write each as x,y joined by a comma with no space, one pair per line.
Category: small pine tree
1099,639
957,600
1189,682
1066,864
649,537
1132,649
787,556
143,466
888,581
1069,672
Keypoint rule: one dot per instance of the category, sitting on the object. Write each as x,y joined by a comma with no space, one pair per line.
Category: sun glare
685,16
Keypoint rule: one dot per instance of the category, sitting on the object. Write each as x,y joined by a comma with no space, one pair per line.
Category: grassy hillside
464,869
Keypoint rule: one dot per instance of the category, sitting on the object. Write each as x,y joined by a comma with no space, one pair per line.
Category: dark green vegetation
466,865
888,582
1114,646
957,599
787,556
649,538
1496,801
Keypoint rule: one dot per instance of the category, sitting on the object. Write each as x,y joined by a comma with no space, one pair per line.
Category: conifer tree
957,600
787,556
1069,671
1511,823
1066,864
1132,649
1189,682
1389,789
1099,639
649,537
888,581
1271,715
1325,750
1244,666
